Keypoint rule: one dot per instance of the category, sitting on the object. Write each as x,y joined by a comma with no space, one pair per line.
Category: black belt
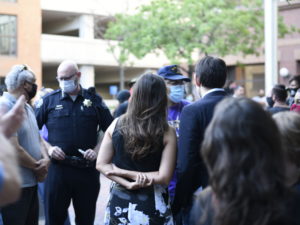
76,161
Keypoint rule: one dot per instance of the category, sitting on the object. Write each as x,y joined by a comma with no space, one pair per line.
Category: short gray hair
17,76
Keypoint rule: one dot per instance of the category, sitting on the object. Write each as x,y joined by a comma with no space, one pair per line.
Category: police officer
72,116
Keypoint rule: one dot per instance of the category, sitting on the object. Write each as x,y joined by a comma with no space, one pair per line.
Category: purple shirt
174,113
44,133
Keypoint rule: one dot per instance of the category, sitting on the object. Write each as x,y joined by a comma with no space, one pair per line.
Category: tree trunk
190,74
122,77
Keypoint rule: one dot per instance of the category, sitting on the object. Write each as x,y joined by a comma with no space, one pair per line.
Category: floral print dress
146,206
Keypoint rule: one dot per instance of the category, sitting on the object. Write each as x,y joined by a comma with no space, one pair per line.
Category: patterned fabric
174,113
146,206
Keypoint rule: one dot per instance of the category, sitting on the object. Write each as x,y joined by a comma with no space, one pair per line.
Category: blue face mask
176,93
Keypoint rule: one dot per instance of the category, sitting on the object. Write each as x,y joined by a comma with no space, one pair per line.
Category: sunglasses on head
24,68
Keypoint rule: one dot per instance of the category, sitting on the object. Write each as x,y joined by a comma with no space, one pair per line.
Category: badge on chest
59,107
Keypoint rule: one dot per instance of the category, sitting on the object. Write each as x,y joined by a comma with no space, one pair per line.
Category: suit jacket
192,172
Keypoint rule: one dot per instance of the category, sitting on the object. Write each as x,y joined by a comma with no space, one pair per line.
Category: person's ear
79,74
196,80
25,85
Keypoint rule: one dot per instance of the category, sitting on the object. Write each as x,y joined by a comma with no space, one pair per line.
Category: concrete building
250,71
20,35
42,33
74,30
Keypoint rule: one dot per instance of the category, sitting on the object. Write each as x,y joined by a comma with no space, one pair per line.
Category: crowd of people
221,160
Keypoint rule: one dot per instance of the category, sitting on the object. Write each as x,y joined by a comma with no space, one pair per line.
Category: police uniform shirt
73,124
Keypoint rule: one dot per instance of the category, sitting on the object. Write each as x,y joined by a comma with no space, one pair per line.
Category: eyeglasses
66,78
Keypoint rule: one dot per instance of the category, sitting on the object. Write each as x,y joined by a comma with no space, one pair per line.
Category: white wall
55,48
100,7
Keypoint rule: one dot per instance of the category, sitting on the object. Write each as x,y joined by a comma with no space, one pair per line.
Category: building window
8,35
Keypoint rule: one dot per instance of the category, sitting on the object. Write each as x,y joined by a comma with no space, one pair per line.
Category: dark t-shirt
123,159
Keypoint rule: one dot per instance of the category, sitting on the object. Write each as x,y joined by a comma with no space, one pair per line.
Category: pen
81,151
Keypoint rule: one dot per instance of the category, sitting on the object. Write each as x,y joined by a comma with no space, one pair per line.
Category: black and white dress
145,206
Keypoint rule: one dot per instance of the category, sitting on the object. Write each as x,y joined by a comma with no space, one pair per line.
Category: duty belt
76,161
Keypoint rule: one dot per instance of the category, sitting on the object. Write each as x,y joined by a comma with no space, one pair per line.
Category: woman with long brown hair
243,154
138,154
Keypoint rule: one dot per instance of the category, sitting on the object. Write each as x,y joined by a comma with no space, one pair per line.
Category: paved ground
101,203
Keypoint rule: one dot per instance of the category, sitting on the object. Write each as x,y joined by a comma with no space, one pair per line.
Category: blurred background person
279,95
269,99
2,89
123,106
247,178
122,98
230,86
260,98
289,127
296,102
294,84
238,91
40,94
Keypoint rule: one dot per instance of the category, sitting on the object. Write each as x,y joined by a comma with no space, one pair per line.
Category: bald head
67,67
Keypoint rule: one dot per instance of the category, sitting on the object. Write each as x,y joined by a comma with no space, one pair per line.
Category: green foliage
181,28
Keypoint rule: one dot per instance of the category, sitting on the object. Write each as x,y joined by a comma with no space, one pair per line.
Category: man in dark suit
210,76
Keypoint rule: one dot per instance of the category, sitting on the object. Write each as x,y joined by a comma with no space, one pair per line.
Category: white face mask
68,86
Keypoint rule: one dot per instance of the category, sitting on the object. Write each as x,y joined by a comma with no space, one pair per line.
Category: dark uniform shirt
73,125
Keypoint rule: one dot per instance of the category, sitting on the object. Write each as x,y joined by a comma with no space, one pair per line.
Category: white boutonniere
87,102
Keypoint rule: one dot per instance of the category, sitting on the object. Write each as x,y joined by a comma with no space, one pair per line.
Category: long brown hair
145,122
242,151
